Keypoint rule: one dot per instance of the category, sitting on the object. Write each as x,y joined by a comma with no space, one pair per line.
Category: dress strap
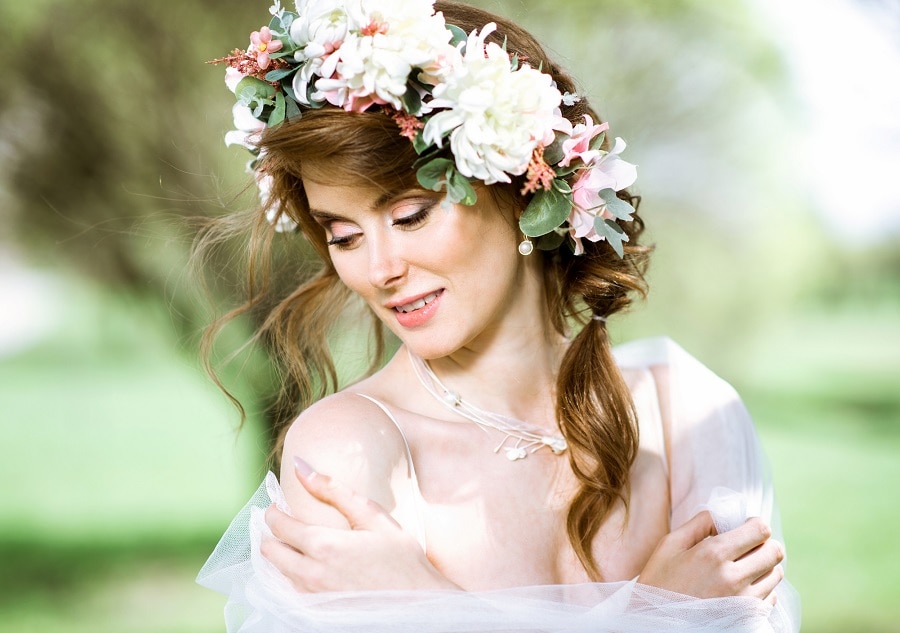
418,502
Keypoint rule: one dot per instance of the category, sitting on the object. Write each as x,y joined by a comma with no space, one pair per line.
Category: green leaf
562,172
514,62
613,234
419,143
458,34
562,186
547,210
280,73
412,100
250,89
620,209
287,18
291,110
433,174
277,115
551,241
597,141
553,153
459,189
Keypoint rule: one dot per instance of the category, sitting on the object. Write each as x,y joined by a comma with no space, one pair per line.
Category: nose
387,266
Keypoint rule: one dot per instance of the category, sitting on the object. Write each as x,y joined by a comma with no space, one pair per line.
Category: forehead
340,199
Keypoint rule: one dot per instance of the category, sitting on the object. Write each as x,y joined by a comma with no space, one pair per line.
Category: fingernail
303,469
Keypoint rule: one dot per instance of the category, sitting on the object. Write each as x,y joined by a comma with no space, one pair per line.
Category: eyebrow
326,216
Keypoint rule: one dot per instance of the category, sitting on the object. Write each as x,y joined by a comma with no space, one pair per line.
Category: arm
710,443
343,538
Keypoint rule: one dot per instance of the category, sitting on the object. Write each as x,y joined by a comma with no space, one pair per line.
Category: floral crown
500,118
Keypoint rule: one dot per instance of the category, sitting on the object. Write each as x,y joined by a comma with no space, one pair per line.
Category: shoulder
350,438
344,423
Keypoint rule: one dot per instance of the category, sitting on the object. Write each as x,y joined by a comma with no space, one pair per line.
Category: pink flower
606,172
261,44
579,145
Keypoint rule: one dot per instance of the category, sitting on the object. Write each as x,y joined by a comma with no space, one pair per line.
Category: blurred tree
111,129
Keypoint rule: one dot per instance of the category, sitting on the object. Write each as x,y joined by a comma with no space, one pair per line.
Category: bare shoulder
350,438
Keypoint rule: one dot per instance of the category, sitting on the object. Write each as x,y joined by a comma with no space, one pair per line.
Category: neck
511,371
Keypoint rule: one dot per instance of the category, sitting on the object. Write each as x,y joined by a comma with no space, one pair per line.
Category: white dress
714,462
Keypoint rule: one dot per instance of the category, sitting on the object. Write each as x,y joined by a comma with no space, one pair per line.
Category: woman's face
440,276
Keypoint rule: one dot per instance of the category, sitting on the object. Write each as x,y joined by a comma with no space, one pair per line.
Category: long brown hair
594,407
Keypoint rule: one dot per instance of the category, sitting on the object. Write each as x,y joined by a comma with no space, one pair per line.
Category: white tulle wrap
715,463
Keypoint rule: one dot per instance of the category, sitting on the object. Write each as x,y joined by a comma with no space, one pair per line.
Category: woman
504,470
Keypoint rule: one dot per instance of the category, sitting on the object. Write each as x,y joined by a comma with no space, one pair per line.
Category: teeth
418,304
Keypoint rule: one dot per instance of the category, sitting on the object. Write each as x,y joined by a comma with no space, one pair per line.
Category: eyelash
408,222
414,220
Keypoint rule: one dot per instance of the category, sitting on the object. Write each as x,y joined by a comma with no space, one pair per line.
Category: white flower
318,31
274,212
495,116
233,77
386,40
248,128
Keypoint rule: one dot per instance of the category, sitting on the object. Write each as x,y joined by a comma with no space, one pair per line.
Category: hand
696,561
375,553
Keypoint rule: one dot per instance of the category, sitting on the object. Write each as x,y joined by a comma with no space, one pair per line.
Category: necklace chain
528,439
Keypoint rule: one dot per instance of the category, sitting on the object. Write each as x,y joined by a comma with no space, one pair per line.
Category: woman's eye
413,220
343,242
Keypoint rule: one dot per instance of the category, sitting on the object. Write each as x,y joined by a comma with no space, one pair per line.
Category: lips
417,312
418,303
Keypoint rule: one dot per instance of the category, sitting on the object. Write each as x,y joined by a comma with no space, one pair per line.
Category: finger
742,540
286,528
764,586
294,565
760,561
361,513
694,531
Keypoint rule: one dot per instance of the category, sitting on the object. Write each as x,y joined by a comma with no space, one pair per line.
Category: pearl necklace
529,439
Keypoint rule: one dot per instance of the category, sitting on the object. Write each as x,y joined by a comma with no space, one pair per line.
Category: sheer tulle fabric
715,463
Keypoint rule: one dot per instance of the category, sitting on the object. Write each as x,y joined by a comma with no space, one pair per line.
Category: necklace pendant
516,453
557,444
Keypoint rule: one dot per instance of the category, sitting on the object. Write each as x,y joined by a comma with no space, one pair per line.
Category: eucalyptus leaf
562,186
562,172
551,241
412,100
554,153
547,210
613,234
433,174
291,110
597,141
280,73
277,115
419,143
458,35
620,209
459,189
250,89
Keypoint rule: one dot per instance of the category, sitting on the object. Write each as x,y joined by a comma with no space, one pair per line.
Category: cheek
351,269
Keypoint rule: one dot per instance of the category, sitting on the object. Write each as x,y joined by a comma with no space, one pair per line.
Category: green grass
825,392
120,469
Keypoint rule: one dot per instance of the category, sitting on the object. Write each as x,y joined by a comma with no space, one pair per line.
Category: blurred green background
768,173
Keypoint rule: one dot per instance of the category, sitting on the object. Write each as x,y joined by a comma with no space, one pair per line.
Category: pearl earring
526,247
